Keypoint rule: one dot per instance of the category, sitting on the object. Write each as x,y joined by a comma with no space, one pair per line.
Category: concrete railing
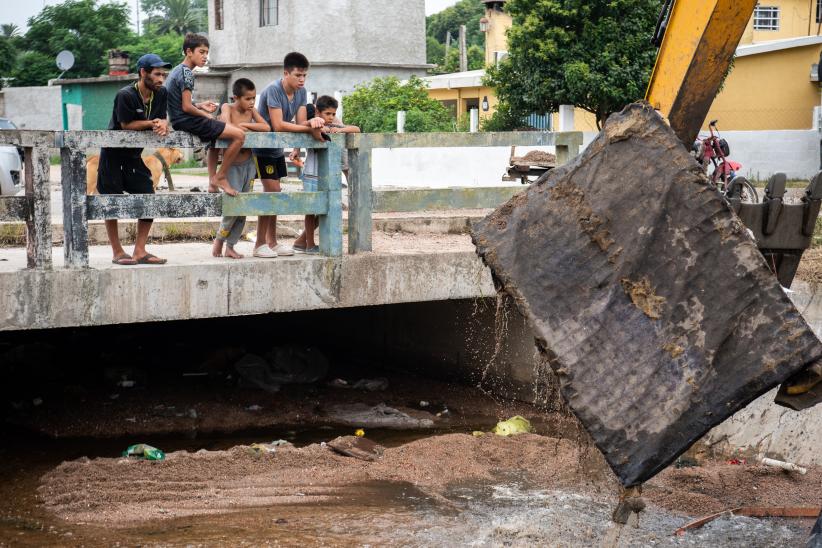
78,208
364,200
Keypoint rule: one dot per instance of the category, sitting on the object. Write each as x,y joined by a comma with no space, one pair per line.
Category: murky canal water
436,486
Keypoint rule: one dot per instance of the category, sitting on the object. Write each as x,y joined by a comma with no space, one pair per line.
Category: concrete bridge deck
402,268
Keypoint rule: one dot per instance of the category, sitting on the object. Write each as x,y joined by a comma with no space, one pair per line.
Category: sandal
148,258
124,260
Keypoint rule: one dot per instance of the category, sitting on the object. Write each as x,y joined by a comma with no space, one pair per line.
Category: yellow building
462,91
773,84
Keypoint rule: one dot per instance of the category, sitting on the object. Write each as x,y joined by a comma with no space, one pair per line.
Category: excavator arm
697,40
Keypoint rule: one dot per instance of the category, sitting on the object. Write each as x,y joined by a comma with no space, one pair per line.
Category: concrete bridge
38,292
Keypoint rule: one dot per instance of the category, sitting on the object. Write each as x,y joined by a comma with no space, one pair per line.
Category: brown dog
170,155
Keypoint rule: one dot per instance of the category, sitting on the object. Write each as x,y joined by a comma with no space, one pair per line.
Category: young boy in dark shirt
196,118
325,108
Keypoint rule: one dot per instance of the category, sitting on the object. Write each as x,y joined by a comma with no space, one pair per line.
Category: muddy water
508,511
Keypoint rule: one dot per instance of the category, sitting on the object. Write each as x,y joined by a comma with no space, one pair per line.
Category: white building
348,42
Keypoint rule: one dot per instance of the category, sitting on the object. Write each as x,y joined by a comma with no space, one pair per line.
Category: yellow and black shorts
270,167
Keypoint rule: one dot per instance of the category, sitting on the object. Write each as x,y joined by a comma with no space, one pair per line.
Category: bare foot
229,252
217,248
222,182
212,184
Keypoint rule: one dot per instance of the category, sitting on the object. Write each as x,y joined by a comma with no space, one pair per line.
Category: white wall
446,167
35,107
761,153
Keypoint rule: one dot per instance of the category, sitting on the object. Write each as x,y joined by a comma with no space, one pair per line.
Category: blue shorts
309,184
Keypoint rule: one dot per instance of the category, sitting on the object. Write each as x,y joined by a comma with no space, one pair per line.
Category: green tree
476,60
175,16
34,69
9,30
7,59
595,54
434,51
438,25
374,106
168,46
464,12
86,29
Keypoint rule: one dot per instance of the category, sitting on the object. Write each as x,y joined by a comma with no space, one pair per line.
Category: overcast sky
18,11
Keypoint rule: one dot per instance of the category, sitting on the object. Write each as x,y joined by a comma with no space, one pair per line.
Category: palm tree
178,16
9,30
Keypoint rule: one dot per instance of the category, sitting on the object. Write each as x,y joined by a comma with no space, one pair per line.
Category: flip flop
147,259
124,260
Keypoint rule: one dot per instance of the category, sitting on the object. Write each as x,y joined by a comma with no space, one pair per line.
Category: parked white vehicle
11,166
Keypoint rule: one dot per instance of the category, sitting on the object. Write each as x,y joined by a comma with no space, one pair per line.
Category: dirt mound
810,267
120,491
536,158
715,487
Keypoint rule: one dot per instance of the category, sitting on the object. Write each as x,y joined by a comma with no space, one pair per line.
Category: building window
218,14
819,11
766,18
268,13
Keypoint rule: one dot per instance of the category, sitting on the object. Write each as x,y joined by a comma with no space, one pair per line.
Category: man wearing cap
140,106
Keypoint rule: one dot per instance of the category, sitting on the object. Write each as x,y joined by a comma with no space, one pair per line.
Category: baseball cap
150,61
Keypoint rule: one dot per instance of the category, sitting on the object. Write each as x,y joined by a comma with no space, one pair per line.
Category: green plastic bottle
144,451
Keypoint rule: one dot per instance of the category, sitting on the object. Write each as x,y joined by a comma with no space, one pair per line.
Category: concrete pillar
401,121
566,118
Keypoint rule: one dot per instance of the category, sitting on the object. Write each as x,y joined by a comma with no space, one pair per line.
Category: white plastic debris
789,466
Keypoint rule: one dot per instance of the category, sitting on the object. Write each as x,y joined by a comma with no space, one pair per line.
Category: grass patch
12,235
54,160
816,239
188,164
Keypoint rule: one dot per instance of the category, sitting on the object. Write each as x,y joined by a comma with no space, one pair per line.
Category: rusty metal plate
657,311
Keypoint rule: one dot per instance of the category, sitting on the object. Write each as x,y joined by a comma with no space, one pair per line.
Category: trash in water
378,416
478,433
369,385
256,371
359,448
261,448
424,403
359,433
144,451
37,402
685,462
253,408
514,425
126,383
372,385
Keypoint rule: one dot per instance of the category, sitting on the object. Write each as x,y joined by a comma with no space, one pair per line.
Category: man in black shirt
138,107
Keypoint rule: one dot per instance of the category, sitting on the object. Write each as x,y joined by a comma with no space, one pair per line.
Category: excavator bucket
649,296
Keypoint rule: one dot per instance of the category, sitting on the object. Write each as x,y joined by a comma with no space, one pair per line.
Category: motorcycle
713,150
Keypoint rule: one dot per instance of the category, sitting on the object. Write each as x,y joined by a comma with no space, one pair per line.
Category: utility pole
447,47
463,50
137,12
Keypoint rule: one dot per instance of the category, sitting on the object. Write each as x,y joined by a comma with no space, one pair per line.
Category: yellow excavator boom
700,38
